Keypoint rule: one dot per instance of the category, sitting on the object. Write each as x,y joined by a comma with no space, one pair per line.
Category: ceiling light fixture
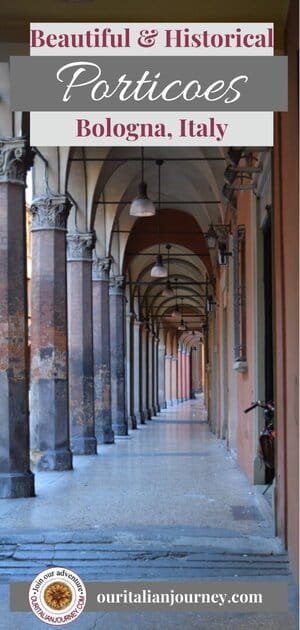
176,311
142,206
159,270
168,291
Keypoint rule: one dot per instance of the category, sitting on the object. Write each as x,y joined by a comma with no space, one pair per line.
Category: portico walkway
167,492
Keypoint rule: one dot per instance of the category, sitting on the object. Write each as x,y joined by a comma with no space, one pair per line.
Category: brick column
80,336
101,332
16,479
188,375
137,371
130,376
161,376
156,397
150,374
183,378
179,375
174,393
49,357
144,372
117,336
168,366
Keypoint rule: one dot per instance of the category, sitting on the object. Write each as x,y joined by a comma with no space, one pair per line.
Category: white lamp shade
176,312
142,206
159,271
168,291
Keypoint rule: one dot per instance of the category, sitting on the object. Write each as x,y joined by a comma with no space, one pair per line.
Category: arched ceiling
192,179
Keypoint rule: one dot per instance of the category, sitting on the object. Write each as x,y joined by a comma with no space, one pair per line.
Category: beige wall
286,257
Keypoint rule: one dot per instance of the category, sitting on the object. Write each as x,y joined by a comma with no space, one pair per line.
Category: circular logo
57,596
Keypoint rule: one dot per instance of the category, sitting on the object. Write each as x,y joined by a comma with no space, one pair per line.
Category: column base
106,437
169,403
120,429
155,410
150,413
133,422
16,485
139,417
84,446
55,460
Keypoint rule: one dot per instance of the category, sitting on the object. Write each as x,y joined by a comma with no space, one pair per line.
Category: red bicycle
267,438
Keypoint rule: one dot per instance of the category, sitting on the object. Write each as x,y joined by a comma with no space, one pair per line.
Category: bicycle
266,439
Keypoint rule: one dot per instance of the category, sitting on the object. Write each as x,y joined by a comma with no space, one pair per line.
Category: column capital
13,161
117,285
101,267
50,213
80,246
138,323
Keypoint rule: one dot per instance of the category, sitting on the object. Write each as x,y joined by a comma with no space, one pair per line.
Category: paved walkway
168,502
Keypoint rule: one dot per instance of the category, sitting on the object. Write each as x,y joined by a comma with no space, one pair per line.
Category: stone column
130,370
156,398
101,342
188,375
117,336
201,367
179,374
150,374
137,371
144,360
168,362
161,376
49,358
195,372
16,479
174,380
183,378
80,336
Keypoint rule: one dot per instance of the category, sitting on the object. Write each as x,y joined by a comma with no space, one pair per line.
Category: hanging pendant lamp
182,325
176,311
159,270
142,206
168,291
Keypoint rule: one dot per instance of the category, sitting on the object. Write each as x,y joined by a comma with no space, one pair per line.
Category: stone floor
170,490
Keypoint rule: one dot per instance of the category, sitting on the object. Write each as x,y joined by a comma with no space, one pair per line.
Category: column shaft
16,480
174,380
117,335
101,342
49,357
161,377
80,336
150,375
179,375
130,369
168,365
137,371
144,359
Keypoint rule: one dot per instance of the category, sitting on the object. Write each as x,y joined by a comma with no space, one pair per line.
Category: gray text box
35,86
274,596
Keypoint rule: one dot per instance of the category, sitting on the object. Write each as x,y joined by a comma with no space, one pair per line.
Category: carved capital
80,246
13,161
117,285
50,213
101,267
